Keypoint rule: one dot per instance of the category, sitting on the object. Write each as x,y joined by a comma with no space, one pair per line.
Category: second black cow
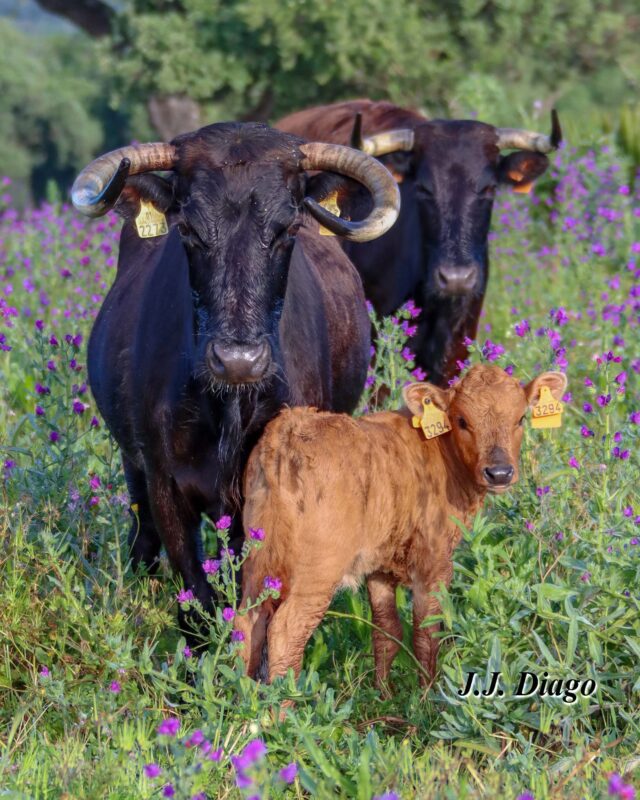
437,253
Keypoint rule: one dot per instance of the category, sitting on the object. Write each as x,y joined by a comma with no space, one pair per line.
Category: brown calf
342,499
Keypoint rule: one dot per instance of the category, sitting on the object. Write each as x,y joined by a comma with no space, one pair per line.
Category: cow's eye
189,236
293,229
522,418
424,192
487,191
462,423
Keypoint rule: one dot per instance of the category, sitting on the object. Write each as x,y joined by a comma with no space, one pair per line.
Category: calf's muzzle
498,474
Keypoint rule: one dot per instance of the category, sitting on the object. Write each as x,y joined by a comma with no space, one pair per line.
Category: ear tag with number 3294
547,412
331,204
434,422
150,222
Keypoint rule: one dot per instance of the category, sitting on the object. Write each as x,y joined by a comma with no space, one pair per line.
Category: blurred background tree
81,76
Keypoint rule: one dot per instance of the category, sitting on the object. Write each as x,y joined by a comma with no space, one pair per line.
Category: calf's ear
415,393
520,169
556,381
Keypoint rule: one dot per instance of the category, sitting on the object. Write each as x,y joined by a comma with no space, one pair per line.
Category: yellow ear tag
331,204
547,412
150,222
434,422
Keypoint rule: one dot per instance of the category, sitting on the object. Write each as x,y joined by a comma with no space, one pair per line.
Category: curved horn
388,142
97,188
367,171
516,139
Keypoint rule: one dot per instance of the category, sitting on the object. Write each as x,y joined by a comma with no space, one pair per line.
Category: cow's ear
151,188
556,381
414,395
329,184
400,164
520,169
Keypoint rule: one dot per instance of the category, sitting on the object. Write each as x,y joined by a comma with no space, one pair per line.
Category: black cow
239,309
437,253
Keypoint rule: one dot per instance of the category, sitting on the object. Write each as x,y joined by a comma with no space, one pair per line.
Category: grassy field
99,697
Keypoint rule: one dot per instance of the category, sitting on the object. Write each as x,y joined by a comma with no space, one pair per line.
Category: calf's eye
462,423
521,423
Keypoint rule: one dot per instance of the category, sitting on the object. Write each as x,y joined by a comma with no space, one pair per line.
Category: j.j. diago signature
529,685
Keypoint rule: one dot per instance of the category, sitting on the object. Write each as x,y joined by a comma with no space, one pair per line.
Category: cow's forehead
442,142
230,145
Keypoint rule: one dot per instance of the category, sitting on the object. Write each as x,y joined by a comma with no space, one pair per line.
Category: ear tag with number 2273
547,412
434,422
150,222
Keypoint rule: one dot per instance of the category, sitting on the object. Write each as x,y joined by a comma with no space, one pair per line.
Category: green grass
543,581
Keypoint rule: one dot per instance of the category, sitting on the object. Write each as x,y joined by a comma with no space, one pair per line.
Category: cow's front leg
179,527
144,542
426,604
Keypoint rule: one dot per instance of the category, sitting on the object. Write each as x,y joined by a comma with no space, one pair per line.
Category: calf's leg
292,625
382,595
425,604
253,624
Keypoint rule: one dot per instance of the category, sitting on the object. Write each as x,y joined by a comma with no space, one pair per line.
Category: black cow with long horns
437,252
237,308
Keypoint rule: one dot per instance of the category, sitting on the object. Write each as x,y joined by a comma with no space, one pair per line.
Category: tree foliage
258,59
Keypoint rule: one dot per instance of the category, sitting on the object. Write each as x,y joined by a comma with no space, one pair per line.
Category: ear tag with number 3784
547,412
150,222
434,422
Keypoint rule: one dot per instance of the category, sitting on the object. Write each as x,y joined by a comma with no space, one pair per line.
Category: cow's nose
239,363
456,280
499,474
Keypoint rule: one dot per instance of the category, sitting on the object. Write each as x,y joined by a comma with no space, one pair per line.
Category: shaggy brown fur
343,499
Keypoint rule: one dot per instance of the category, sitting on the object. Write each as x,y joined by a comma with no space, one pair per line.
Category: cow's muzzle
456,280
239,363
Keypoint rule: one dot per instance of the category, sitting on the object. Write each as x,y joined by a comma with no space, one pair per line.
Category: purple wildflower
115,687
211,566
169,726
257,534
196,738
185,596
228,614
152,770
223,523
274,584
288,773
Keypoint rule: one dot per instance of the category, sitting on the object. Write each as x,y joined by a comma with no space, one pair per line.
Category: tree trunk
92,16
173,114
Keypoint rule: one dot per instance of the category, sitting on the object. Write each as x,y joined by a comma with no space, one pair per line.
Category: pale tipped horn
97,188
517,139
388,142
367,171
